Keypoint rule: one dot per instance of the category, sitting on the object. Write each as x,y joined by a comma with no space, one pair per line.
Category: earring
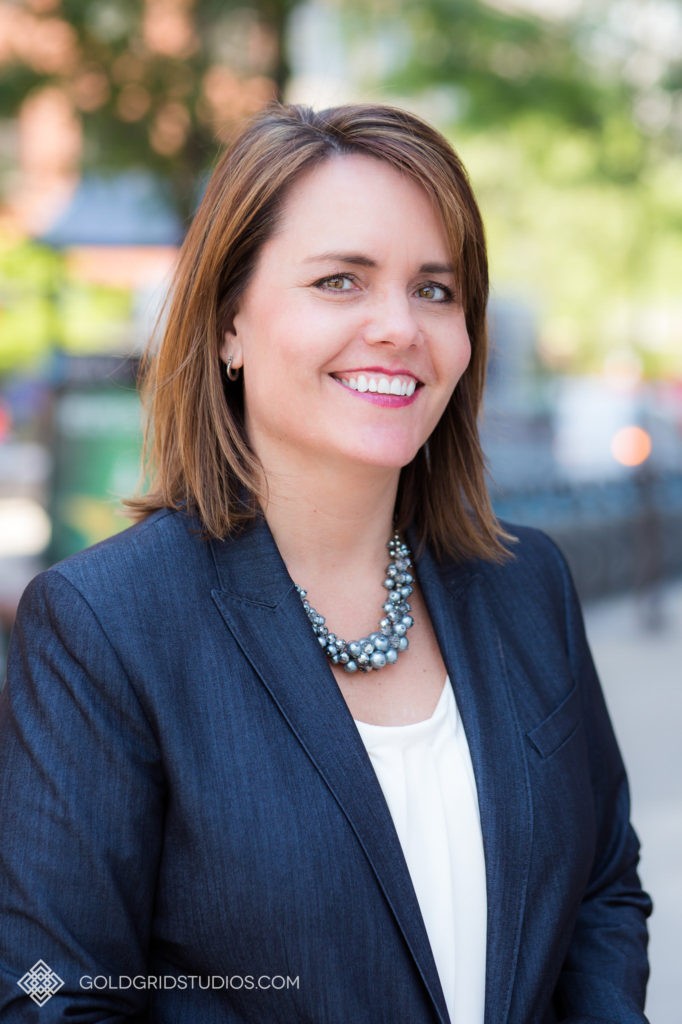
231,374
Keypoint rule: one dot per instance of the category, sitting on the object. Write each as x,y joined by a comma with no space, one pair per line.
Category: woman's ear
231,349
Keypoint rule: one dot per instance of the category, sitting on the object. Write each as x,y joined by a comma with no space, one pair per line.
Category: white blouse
427,778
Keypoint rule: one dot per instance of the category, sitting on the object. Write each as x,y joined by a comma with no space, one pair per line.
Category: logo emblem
40,983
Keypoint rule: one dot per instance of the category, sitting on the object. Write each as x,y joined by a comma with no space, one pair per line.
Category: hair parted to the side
196,449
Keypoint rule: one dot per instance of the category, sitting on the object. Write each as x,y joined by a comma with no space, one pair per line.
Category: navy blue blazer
185,796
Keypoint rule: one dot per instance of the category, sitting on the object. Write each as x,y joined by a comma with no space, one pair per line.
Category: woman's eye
336,283
435,292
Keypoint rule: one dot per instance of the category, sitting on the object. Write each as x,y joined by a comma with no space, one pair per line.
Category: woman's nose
392,321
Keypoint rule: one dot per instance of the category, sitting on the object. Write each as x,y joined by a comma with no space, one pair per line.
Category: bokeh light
631,446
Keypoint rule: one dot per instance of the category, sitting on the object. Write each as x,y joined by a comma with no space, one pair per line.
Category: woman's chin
387,457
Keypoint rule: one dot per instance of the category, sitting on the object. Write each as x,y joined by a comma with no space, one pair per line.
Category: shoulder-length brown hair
197,452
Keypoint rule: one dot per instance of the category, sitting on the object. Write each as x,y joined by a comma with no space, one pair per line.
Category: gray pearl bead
351,666
381,643
378,659
391,656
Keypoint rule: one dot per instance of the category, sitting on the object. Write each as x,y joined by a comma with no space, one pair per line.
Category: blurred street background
640,672
568,115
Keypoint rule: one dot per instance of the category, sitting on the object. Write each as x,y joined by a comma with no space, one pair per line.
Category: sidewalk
641,672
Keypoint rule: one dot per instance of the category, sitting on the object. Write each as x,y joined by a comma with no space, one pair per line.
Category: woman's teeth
401,386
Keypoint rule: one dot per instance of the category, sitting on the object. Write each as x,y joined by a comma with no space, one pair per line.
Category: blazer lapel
471,648
260,606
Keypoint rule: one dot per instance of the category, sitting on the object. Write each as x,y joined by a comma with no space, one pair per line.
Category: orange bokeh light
631,446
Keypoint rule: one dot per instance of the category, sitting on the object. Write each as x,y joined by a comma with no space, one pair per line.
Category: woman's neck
326,523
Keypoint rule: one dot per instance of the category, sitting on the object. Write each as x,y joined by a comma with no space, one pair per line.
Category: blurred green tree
43,306
598,68
157,84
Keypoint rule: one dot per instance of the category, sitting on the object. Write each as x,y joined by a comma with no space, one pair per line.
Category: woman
259,768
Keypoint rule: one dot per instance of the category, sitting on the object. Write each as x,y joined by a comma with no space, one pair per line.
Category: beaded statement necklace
381,648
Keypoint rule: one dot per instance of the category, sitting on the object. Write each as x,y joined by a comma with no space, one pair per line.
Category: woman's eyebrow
355,258
359,260
436,268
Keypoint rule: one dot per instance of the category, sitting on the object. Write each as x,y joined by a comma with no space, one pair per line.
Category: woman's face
349,333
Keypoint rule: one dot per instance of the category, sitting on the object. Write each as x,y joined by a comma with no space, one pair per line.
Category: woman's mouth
398,385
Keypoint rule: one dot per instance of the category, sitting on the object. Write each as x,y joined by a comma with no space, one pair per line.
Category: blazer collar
257,599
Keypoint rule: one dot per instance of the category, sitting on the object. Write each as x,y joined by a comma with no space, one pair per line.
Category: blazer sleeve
605,973
81,807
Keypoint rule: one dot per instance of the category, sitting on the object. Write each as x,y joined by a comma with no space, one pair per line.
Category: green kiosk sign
96,456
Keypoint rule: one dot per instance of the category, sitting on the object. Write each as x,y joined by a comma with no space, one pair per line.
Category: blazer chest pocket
558,727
